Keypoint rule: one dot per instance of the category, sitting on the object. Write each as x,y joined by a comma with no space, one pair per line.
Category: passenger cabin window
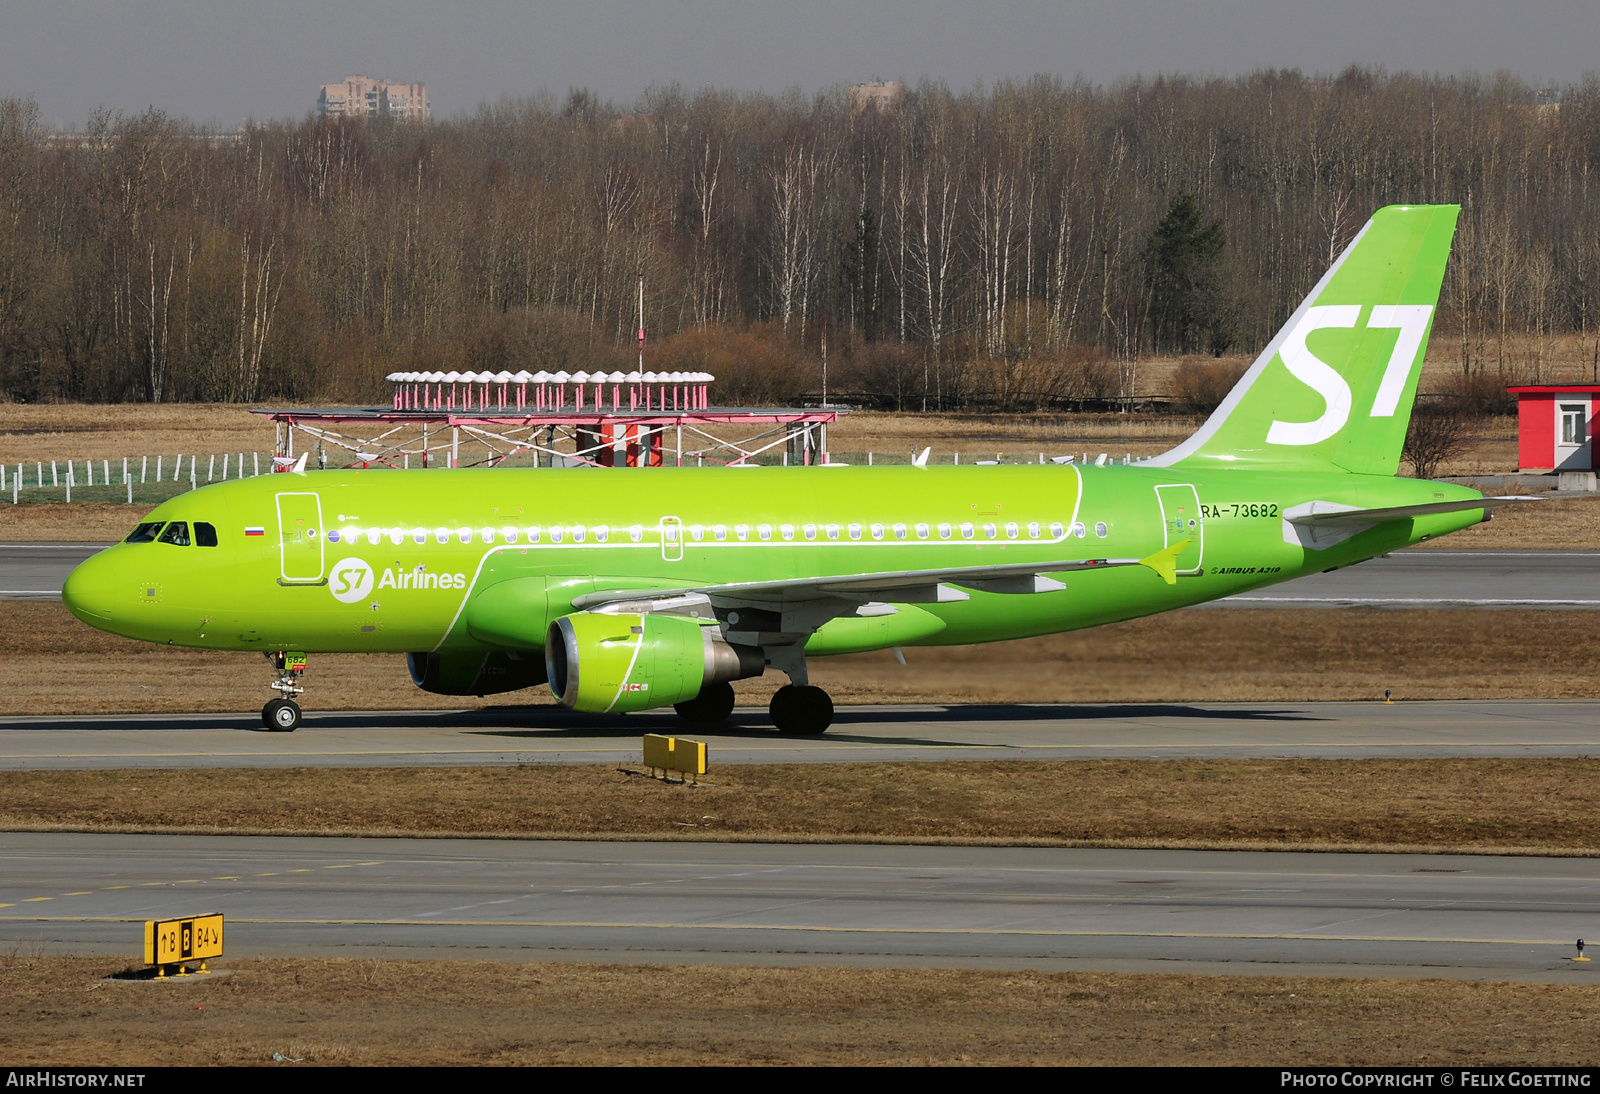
833,531
877,531
899,531
1011,531
144,533
205,535
177,534
966,531
989,531
509,534
855,531
764,531
922,531
464,535
487,534
533,534
944,531
1057,531
811,531
787,531
1033,530
442,535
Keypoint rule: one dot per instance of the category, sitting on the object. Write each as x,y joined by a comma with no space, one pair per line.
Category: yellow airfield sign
192,938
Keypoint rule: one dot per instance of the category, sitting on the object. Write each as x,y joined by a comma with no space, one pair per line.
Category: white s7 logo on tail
1412,319
1412,322
1316,374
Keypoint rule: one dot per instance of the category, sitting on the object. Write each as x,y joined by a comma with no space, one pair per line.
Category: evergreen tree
1183,260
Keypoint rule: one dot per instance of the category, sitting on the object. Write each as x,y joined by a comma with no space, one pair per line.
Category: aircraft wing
900,586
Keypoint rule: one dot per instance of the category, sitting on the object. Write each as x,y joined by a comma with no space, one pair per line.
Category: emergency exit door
1180,517
300,538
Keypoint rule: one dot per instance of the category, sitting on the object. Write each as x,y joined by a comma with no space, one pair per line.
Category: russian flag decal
255,530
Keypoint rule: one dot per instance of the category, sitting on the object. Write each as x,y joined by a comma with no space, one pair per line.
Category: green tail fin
1334,388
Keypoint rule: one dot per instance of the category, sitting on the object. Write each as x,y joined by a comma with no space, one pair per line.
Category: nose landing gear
282,715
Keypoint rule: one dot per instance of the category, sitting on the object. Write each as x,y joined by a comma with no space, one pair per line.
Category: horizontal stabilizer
1323,513
1318,525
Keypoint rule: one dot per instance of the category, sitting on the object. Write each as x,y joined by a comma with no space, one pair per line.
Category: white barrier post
225,456
124,469
88,472
241,465
105,471
211,467
192,461
69,480
38,475
144,468
129,483
158,468
54,479
177,468
255,463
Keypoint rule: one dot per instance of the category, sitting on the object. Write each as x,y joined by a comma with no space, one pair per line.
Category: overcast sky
219,61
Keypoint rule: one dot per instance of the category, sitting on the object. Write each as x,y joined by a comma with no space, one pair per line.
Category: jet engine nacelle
473,672
599,662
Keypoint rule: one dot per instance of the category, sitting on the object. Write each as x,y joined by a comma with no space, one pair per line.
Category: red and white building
1554,430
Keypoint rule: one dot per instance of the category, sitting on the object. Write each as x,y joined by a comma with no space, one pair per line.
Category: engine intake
600,662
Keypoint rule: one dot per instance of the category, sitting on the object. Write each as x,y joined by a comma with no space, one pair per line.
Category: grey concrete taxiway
1237,912
36,571
1430,578
550,734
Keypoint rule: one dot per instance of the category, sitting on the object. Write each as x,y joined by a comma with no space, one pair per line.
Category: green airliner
629,589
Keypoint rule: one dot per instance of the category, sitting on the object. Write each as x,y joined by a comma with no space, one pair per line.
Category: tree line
1018,245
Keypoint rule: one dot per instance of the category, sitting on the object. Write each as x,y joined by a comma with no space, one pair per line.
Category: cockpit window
205,535
145,533
177,534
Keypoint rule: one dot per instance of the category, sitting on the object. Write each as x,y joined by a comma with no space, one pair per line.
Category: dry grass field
52,664
1489,806
78,432
66,1011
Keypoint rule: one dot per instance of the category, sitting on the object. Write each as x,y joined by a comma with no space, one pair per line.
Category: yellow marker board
193,938
675,754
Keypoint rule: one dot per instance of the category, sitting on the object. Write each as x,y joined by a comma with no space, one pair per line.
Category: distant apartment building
878,94
365,97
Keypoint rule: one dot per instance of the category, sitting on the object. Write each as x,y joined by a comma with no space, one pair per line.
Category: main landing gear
798,708
712,705
801,710
282,715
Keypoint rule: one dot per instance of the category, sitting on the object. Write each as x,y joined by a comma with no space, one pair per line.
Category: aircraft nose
89,591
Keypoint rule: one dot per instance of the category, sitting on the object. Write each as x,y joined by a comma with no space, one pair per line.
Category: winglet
300,465
1165,561
922,460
